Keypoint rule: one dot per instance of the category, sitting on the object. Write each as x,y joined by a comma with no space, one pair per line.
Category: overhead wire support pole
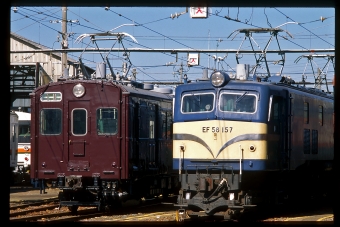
283,57
64,43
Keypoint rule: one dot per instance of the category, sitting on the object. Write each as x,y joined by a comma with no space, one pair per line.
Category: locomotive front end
219,140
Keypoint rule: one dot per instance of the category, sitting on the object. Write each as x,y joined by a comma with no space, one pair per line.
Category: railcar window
79,121
321,115
306,141
107,119
51,97
24,132
314,141
169,125
238,102
163,130
198,102
306,112
13,133
50,121
152,129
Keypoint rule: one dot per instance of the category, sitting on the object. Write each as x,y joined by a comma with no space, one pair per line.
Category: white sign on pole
193,59
198,12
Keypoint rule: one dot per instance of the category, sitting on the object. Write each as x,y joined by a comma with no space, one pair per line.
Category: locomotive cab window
238,102
197,102
107,120
50,121
79,122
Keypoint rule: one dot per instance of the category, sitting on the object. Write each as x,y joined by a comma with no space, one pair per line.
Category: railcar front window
24,132
79,122
51,97
50,121
198,102
107,120
238,102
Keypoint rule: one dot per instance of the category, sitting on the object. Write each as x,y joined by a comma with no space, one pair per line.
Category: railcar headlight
219,78
78,90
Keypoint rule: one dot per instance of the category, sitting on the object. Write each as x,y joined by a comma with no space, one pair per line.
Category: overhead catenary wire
182,39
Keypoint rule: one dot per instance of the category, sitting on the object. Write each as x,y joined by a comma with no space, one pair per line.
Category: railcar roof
125,86
139,91
23,116
205,84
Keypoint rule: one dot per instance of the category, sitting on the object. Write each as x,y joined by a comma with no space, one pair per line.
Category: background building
30,70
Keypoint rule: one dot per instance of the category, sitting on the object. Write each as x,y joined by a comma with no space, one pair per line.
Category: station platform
30,194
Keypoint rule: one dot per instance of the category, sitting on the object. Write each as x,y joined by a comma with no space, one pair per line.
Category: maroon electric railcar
102,141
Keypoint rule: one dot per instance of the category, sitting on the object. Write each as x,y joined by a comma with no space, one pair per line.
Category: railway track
144,211
55,215
26,205
49,211
22,212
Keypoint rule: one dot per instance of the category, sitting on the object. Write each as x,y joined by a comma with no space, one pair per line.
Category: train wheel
73,208
231,215
49,183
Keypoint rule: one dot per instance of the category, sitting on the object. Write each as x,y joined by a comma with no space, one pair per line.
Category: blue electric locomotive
240,143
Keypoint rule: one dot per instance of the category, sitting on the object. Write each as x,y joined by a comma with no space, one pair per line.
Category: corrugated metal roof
36,45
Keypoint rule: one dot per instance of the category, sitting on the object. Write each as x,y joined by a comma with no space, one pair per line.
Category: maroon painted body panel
77,154
135,146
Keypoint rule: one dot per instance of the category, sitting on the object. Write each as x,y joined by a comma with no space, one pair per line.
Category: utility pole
181,72
64,43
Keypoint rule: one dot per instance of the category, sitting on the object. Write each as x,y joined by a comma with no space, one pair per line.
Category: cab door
79,147
277,127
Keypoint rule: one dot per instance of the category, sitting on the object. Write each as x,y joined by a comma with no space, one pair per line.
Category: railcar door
93,140
48,154
79,146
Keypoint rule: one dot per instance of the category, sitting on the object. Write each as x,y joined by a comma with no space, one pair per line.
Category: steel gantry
261,54
320,78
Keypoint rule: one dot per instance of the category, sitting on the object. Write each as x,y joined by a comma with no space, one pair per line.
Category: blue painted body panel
247,165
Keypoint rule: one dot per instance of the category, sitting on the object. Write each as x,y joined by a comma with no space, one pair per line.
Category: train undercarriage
212,195
232,197
106,195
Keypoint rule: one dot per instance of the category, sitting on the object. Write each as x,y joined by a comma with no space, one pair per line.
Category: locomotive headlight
78,90
219,78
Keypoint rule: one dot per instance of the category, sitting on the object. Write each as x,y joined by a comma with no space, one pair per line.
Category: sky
304,29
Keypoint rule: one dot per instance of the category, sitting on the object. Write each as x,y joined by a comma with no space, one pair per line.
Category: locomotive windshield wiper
241,97
197,96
